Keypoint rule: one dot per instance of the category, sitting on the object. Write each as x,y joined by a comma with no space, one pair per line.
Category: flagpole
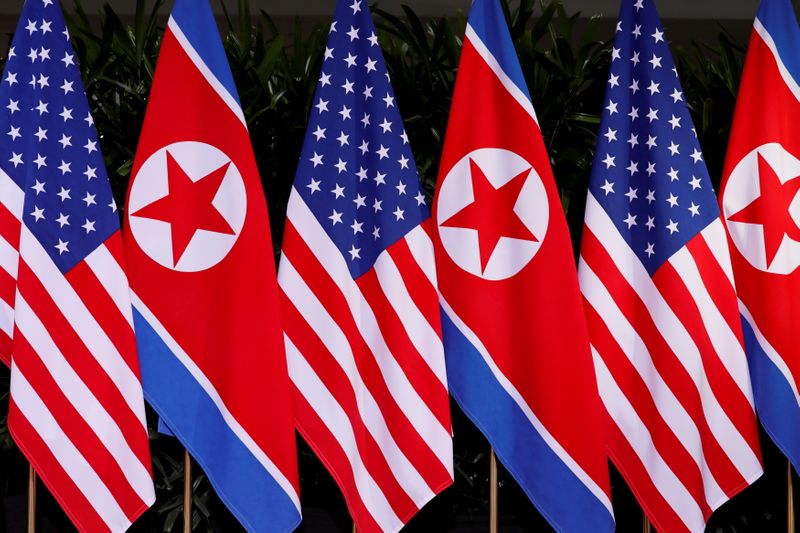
789,499
646,527
493,513
31,499
187,491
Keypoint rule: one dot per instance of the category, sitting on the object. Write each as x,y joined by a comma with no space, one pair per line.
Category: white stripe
6,318
214,396
110,274
669,486
419,330
672,412
68,457
790,82
11,195
212,80
335,419
771,352
9,258
512,88
80,395
729,348
675,335
717,241
83,322
504,382
421,247
337,343
326,252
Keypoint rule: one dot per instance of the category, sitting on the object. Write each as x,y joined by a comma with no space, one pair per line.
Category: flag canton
648,172
48,143
356,171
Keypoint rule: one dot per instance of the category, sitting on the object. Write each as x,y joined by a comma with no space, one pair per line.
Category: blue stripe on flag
487,20
560,496
779,18
775,400
200,28
248,490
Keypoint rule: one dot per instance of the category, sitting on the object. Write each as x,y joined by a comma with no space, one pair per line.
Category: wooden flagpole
31,499
646,527
187,491
789,499
494,526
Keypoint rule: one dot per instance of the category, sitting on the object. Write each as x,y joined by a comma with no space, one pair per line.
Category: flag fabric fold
76,408
358,284
517,348
658,294
205,297
758,198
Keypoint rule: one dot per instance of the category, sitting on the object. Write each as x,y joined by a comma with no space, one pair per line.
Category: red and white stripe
11,202
367,363
76,410
671,371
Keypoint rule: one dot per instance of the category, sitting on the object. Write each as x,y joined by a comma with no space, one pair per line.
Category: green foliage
565,60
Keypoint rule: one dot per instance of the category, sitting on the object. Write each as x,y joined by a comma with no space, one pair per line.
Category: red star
187,206
491,212
771,209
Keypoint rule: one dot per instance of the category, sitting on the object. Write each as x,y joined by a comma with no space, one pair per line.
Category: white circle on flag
510,255
743,187
150,184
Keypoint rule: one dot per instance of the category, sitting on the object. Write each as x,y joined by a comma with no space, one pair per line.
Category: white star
651,169
373,39
348,86
354,253
376,205
675,122
319,133
615,54
16,159
380,179
13,105
637,31
401,188
672,227
350,60
33,55
88,225
66,114
404,136
328,53
91,146
338,191
341,166
67,87
656,61
14,133
336,217
608,187
653,87
333,26
360,201
658,35
65,141
364,147
41,108
695,183
345,112
399,213
610,135
673,148
383,152
420,198
325,79
650,249
672,200
62,246
44,53
676,96
367,92
403,162
322,105
365,119
638,5
43,81
630,221
38,187
633,168
90,172
356,227
31,27
353,33
376,232
634,140
343,139
47,2
634,114
11,53
673,174
88,119
64,167
694,209
40,161
697,155
362,173
611,107
389,100
64,194
651,196
11,78
609,161
45,26
635,58
652,114
634,86
356,6
113,205
63,220
385,125
651,223
631,194
314,185
316,159
370,65
651,141
38,213
613,81
89,199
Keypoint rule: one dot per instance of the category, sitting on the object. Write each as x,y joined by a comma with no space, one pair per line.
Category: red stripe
84,363
335,379
734,403
61,486
8,287
717,284
422,291
639,396
331,297
327,448
10,227
5,348
665,362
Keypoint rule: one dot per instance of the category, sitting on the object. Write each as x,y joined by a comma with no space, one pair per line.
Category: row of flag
383,308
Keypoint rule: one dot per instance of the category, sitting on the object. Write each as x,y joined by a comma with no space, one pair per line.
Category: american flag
662,312
361,313
76,408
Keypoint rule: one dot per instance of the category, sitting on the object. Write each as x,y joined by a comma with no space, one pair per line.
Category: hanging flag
76,408
518,358
202,276
758,196
361,313
666,337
